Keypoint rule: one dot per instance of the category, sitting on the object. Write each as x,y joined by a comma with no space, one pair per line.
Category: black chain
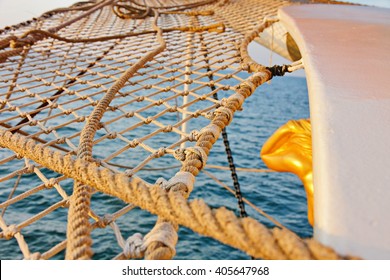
232,166
229,154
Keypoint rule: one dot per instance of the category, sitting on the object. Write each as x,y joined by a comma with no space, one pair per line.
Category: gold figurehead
289,149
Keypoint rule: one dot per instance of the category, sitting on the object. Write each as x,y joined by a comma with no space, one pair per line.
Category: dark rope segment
279,70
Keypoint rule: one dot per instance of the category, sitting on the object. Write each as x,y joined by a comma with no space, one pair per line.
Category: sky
15,11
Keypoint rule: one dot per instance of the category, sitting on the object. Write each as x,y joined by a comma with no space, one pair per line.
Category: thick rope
196,152
253,66
136,246
221,224
223,116
78,232
247,61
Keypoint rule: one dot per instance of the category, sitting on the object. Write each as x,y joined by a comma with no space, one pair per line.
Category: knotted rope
78,232
252,66
221,224
137,246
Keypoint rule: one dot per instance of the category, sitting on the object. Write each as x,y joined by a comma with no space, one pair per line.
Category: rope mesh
56,70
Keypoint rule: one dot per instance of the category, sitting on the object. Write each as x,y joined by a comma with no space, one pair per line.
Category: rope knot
112,135
134,247
179,154
80,119
173,109
51,183
105,221
168,128
48,130
29,168
160,152
140,98
182,182
194,135
279,70
134,143
148,120
10,231
61,140
129,114
197,113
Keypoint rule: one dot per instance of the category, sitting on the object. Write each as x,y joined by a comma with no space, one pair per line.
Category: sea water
279,194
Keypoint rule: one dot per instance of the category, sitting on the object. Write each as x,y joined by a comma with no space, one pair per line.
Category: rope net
105,98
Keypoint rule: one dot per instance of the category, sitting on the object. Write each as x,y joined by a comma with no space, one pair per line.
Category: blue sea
279,194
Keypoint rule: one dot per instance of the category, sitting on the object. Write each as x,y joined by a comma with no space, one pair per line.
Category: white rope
213,128
296,65
181,178
134,246
165,233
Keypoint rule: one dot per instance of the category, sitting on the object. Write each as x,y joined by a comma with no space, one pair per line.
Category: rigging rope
244,233
75,80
